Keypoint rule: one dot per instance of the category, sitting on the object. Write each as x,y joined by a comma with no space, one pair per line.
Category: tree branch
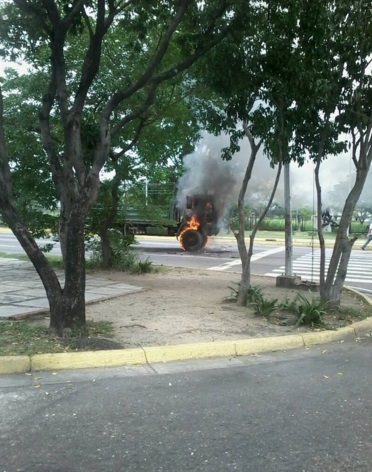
117,98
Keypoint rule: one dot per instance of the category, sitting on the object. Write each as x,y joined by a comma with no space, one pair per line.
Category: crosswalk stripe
255,257
308,265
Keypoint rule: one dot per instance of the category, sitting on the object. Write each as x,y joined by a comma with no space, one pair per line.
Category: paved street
359,270
21,290
300,411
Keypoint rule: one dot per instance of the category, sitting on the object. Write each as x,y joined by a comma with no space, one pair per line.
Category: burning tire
204,241
192,240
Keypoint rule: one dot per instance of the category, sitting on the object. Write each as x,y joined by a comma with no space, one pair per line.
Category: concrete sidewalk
22,293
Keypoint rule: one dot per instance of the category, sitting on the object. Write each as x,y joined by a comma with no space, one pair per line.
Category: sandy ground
186,306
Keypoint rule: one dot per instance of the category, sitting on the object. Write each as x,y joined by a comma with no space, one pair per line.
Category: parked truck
200,220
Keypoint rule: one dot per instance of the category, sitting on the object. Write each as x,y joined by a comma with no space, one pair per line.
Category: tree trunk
108,222
343,245
240,235
245,281
43,268
62,231
67,310
320,229
67,305
106,248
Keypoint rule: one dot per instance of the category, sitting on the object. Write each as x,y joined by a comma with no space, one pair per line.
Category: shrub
261,305
264,307
123,257
310,312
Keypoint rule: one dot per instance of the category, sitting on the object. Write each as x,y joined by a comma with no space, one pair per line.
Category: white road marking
255,257
307,266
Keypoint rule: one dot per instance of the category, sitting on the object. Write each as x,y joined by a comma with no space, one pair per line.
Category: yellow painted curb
247,347
87,359
181,352
323,337
154,354
14,364
363,327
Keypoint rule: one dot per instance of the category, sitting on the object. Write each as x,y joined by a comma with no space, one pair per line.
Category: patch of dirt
91,344
179,306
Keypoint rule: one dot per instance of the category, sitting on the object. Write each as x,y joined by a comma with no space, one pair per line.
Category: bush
310,312
123,257
261,305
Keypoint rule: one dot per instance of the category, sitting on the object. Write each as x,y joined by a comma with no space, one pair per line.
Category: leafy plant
261,305
144,267
123,257
234,293
288,305
255,299
264,307
310,312
254,294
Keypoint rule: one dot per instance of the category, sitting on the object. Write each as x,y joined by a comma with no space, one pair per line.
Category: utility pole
288,222
288,279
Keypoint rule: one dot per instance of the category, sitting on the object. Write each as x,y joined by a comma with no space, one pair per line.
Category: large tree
254,101
310,65
158,41
334,51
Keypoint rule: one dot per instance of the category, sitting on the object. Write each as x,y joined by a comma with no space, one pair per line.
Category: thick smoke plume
206,173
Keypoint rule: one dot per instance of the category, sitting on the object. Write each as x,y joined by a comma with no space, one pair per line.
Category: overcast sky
334,170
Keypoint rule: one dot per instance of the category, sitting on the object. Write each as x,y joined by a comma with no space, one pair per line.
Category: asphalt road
10,244
268,259
222,255
301,411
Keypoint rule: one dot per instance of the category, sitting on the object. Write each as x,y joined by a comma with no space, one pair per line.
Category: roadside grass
23,338
9,255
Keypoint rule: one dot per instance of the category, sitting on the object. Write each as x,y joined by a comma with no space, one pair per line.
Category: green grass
8,255
24,338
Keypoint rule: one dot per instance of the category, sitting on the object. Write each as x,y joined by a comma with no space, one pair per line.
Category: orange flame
192,224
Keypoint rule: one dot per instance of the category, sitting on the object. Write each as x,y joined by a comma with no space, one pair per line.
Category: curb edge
178,352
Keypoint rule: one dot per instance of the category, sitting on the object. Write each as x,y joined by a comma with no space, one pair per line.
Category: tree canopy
101,67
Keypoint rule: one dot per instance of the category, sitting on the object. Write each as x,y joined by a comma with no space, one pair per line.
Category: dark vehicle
148,208
200,220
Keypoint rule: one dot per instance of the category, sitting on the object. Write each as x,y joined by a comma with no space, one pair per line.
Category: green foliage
360,228
144,267
254,294
312,309
123,257
256,300
264,307
310,312
261,305
288,305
